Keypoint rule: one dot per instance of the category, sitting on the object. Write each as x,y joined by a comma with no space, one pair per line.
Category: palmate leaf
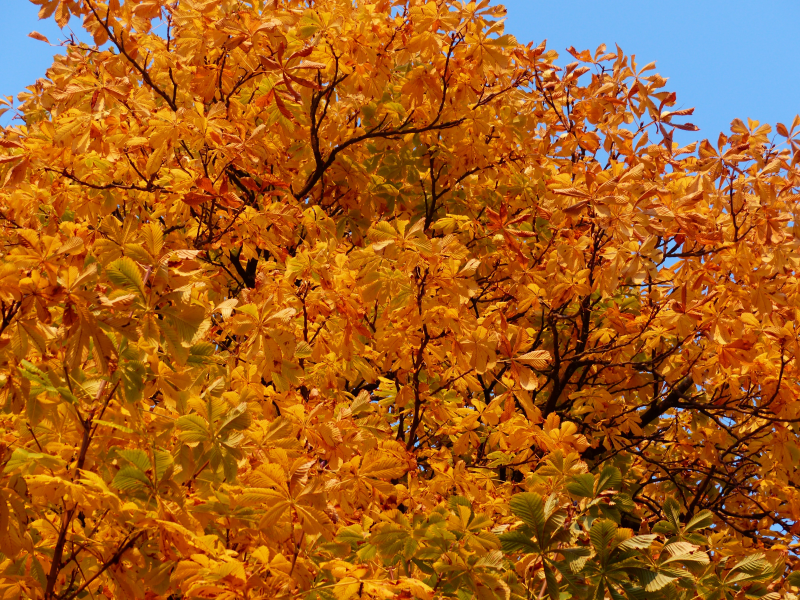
193,428
30,371
455,501
255,496
634,592
163,461
153,237
671,511
186,320
739,578
279,429
518,542
701,520
529,507
574,559
174,343
793,579
559,465
381,467
130,479
273,514
684,552
602,535
200,354
610,478
389,539
551,582
753,564
754,568
351,534
213,407
555,520
581,485
22,457
237,419
652,581
125,273
139,458
536,359
493,560
638,542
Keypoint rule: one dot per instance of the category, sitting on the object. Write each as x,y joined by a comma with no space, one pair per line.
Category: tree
334,299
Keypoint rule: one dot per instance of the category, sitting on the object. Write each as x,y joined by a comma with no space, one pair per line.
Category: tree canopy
333,299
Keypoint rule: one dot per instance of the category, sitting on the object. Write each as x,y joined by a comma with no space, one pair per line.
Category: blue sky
728,59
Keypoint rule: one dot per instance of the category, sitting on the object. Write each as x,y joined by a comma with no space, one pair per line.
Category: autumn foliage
333,299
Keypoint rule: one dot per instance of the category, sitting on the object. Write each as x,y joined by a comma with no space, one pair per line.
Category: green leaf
742,577
129,479
753,564
138,458
602,535
684,552
699,521
552,583
194,428
582,486
610,478
367,552
22,457
215,406
280,429
492,560
352,534
529,507
455,501
200,354
67,395
638,542
124,273
575,558
31,372
672,511
163,461
793,579
652,581
389,539
237,419
516,542
302,350
113,425
624,503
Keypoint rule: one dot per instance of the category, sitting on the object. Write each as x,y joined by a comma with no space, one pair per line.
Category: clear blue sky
727,58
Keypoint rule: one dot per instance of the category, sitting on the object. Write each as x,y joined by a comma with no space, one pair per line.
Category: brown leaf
38,36
196,199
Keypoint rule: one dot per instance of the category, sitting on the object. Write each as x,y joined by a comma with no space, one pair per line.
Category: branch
58,551
120,44
107,186
671,401
111,561
418,362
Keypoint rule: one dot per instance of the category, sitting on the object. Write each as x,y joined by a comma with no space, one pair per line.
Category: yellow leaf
536,359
